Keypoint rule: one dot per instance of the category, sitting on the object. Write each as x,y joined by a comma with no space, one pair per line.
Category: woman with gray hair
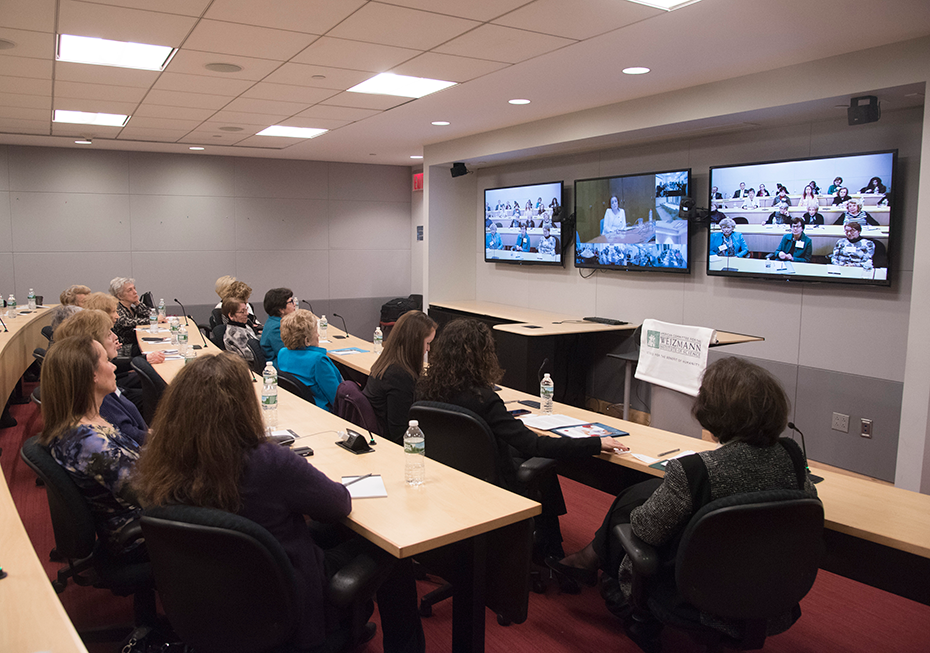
854,213
130,311
728,242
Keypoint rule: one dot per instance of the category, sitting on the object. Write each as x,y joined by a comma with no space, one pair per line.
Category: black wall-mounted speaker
458,169
860,113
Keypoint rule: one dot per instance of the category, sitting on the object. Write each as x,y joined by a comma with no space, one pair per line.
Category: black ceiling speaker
458,169
864,109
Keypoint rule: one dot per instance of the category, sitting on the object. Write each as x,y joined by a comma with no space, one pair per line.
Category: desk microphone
539,374
304,301
814,479
187,324
344,327
5,330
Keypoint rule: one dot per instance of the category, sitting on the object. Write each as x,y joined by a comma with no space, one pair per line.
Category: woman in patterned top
238,332
130,311
76,377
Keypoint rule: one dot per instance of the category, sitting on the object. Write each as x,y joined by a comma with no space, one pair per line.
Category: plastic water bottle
379,340
173,326
324,327
162,311
414,454
270,395
153,320
11,305
182,339
31,300
546,390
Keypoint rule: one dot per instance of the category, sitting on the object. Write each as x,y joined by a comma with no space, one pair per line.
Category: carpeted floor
839,615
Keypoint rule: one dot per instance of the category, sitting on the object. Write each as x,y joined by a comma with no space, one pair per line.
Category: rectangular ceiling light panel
103,52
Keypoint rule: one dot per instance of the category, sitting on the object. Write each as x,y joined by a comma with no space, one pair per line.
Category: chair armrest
644,557
130,533
534,468
360,578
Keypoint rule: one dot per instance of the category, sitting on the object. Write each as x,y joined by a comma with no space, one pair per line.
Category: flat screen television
815,219
523,224
631,222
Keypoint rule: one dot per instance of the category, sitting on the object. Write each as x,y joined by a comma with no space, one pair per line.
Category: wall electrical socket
865,428
840,422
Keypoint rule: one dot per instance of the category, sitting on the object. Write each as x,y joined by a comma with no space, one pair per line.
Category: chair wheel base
59,586
502,620
426,610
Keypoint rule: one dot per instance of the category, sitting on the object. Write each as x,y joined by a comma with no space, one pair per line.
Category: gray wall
338,234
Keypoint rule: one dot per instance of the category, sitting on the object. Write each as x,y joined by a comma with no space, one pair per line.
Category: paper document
373,486
662,463
348,350
549,422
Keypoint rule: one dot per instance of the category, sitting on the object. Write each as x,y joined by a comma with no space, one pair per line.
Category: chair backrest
258,355
147,299
72,521
219,332
216,317
459,438
226,584
153,386
47,331
39,354
354,406
751,556
294,385
880,254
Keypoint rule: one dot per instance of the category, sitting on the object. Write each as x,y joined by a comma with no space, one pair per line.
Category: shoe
586,577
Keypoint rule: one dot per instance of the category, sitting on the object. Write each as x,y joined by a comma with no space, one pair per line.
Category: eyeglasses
290,301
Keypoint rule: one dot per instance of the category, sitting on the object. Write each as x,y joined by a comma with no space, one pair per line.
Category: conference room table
450,508
775,266
31,615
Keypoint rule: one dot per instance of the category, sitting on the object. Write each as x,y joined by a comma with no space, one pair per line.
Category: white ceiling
298,57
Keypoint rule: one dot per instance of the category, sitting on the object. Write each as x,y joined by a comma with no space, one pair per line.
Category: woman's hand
612,445
163,319
155,357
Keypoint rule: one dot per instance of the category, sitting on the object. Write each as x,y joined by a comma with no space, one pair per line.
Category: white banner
673,355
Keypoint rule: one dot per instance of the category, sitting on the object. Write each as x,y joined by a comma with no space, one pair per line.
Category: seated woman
238,332
242,292
762,192
237,469
614,217
547,243
854,213
750,201
745,409
779,215
130,311
809,199
842,196
304,358
854,250
794,246
394,375
463,370
74,295
813,216
728,242
835,186
101,301
493,240
716,215
61,313
523,240
874,187
76,377
116,408
278,303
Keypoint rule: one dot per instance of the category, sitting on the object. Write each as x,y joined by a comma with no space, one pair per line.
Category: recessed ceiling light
230,128
317,76
416,156
292,132
441,123
103,52
635,70
6,45
400,85
85,118
84,141
223,67
667,5
518,101
195,147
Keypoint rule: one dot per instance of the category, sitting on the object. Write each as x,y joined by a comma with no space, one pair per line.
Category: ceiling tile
268,91
26,86
366,101
357,55
149,110
310,16
25,67
190,100
316,123
503,44
94,105
24,113
26,101
119,24
201,137
37,45
171,124
337,113
448,67
201,84
401,27
91,131
156,135
8,126
482,10
192,62
37,15
587,18
303,75
98,91
269,142
250,105
247,120
214,126
247,40
109,75
181,7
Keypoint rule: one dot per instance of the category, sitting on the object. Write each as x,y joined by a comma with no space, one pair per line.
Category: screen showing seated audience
819,219
523,224
631,222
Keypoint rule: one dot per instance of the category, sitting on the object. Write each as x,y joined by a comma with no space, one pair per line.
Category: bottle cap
413,422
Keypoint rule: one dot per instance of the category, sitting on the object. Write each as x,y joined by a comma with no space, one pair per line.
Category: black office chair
746,559
47,332
153,386
880,255
459,438
88,562
350,404
147,299
216,317
227,585
257,364
219,331
295,386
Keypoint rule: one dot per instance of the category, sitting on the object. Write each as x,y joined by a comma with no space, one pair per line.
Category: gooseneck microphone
187,324
344,327
5,330
814,479
304,301
539,374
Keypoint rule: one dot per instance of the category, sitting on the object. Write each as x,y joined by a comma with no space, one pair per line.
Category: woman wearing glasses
278,303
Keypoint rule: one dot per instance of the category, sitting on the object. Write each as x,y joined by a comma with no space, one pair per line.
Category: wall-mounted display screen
523,224
631,222
819,219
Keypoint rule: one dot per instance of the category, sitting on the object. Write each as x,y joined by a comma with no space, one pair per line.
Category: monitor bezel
563,221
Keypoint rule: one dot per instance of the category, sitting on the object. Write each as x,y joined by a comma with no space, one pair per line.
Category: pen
668,452
356,480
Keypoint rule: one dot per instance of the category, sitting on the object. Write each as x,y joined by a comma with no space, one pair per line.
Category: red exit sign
418,181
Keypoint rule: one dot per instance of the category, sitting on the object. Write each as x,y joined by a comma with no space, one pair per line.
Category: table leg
468,597
627,383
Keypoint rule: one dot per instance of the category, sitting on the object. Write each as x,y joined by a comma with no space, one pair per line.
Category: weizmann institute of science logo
672,343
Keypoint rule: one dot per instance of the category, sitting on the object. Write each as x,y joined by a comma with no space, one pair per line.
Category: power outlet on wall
865,428
840,423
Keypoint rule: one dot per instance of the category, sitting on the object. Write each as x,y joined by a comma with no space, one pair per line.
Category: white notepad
367,488
549,422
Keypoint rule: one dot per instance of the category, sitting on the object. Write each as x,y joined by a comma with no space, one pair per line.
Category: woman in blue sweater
304,358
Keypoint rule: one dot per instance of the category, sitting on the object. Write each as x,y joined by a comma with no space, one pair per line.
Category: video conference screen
824,219
523,224
631,222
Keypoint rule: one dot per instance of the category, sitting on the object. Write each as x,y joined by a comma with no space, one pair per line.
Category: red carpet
839,615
